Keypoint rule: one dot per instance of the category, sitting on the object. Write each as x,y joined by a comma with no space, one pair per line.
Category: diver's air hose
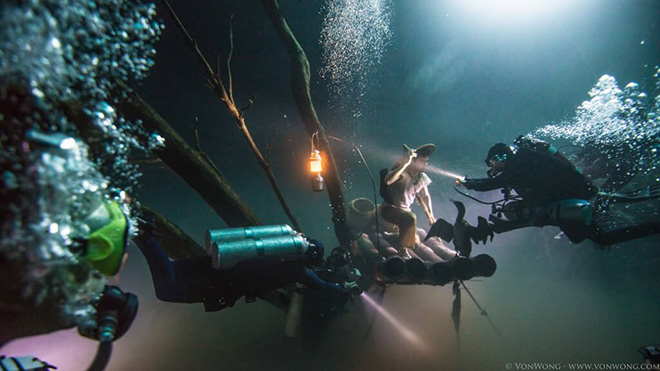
107,333
102,358
478,200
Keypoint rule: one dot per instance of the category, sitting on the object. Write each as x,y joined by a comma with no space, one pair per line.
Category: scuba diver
405,182
80,242
552,191
212,280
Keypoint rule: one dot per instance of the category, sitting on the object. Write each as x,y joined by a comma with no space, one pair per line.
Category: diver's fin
482,231
642,194
441,228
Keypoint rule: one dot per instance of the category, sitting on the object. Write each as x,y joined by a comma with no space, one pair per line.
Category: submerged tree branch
175,242
231,52
190,165
300,80
183,159
228,100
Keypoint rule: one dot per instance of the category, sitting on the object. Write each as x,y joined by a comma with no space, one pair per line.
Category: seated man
551,191
404,182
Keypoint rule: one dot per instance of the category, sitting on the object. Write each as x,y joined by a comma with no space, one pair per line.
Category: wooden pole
300,84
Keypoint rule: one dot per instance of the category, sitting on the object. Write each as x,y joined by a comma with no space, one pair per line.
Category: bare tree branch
179,156
231,52
268,148
217,63
175,242
247,107
199,147
219,89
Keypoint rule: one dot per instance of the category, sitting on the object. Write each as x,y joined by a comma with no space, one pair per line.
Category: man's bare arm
395,174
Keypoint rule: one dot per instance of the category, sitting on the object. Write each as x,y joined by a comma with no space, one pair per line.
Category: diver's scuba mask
493,169
498,158
104,247
107,242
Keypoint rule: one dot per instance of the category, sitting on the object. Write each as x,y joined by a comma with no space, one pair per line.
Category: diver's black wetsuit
548,184
540,178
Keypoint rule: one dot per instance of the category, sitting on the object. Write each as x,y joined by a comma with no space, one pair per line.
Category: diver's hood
499,149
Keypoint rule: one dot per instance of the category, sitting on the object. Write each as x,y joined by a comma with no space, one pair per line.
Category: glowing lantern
315,162
316,166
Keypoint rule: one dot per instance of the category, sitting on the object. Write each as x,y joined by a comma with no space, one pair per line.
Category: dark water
446,77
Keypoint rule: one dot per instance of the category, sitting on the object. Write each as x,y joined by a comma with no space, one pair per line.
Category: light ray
403,330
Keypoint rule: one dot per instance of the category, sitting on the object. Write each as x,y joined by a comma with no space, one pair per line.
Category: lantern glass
315,160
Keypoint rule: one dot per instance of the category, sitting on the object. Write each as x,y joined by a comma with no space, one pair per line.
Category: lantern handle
315,134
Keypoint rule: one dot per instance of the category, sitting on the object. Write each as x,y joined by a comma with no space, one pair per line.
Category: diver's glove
470,183
351,287
462,182
354,275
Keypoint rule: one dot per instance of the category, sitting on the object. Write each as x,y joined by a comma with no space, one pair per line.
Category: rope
482,310
373,184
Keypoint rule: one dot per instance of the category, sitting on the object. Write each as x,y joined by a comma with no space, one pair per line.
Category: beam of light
436,170
403,330
391,156
510,12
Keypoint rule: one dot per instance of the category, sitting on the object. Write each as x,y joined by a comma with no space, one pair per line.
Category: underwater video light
416,270
392,268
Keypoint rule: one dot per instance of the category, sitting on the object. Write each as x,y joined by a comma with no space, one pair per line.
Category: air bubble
354,37
616,123
70,50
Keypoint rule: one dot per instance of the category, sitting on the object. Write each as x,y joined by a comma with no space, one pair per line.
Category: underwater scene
330,185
